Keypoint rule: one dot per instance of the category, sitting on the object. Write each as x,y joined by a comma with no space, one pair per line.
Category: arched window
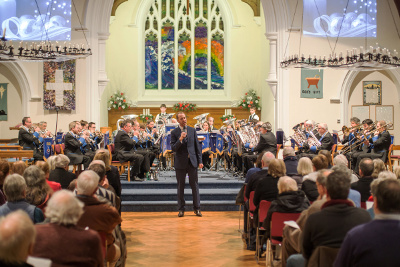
174,31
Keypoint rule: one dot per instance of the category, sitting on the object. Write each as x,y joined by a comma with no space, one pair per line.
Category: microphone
185,131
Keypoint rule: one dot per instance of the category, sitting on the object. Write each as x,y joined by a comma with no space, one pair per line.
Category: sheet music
292,224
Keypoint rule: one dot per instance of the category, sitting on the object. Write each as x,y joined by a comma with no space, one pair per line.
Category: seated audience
52,162
15,191
17,236
337,216
44,166
363,185
328,156
309,187
342,160
102,193
290,159
111,171
289,200
257,168
97,215
38,191
291,243
379,166
61,174
4,170
304,167
18,167
375,243
354,195
61,240
396,171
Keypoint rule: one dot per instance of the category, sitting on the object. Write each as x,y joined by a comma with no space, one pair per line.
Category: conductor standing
187,157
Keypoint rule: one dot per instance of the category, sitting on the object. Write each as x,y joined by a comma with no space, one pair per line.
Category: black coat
253,181
267,189
189,147
310,189
27,140
114,180
326,142
363,186
61,176
291,164
124,146
73,149
382,144
267,143
287,202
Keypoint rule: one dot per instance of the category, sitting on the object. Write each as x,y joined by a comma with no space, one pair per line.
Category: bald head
266,159
87,183
17,235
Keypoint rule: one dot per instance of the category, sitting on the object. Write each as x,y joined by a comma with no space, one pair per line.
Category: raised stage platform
218,192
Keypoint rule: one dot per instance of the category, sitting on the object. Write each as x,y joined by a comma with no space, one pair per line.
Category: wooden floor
164,239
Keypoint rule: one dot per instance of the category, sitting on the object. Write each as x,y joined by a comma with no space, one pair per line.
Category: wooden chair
120,165
277,224
262,214
278,147
392,158
334,148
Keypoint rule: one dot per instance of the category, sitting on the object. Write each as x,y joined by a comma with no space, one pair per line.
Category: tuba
125,117
200,120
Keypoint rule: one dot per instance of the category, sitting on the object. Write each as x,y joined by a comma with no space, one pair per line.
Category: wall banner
312,83
3,101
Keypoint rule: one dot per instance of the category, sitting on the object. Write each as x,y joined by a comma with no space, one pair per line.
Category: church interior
141,58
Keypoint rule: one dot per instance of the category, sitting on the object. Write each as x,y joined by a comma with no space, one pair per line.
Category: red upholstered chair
262,214
58,149
277,224
364,205
250,214
120,165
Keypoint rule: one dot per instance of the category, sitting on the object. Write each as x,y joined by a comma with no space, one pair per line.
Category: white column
272,76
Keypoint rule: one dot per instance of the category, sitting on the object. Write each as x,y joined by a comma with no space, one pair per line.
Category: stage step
155,206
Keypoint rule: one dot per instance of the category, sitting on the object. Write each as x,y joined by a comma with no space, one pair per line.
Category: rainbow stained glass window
184,45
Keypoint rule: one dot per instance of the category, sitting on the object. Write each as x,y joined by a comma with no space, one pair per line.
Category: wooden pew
6,154
10,147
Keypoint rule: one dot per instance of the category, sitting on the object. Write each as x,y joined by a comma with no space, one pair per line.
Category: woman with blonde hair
44,166
304,167
18,167
111,171
379,166
4,171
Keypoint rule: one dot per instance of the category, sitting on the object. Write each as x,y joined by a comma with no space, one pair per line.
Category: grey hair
396,171
17,234
87,183
288,151
304,166
14,187
340,160
52,162
387,175
103,150
341,168
323,125
286,184
61,161
64,208
267,157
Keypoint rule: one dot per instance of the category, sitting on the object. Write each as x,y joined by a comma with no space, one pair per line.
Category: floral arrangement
184,106
118,101
145,117
227,117
250,99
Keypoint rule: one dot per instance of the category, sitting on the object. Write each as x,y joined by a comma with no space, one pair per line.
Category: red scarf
333,202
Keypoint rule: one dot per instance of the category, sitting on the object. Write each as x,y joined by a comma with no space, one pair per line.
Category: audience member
308,186
342,160
291,243
396,171
97,215
102,193
111,171
363,185
354,195
15,191
61,174
304,167
17,236
375,243
52,162
44,166
289,200
4,171
327,155
61,240
18,167
257,168
290,159
379,166
337,216
38,191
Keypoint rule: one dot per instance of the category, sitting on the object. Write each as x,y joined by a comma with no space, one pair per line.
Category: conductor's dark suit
187,156
267,143
73,150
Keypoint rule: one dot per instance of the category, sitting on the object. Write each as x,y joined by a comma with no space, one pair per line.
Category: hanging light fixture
363,59
43,50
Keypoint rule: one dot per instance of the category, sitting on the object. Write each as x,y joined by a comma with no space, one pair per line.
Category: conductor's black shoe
198,213
181,213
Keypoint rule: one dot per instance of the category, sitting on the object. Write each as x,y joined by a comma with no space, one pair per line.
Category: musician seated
43,129
211,123
323,141
96,136
357,147
141,148
350,136
84,125
379,143
88,146
73,146
267,143
206,154
27,140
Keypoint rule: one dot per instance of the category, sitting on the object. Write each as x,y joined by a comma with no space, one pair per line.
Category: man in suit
125,150
187,155
378,144
324,137
27,140
267,143
73,146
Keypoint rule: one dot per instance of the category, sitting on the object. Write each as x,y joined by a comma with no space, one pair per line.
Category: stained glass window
184,45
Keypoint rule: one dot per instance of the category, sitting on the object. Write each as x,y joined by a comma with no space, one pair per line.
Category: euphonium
313,141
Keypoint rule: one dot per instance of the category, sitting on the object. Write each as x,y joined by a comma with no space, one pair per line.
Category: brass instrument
299,137
125,117
200,120
360,139
313,141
